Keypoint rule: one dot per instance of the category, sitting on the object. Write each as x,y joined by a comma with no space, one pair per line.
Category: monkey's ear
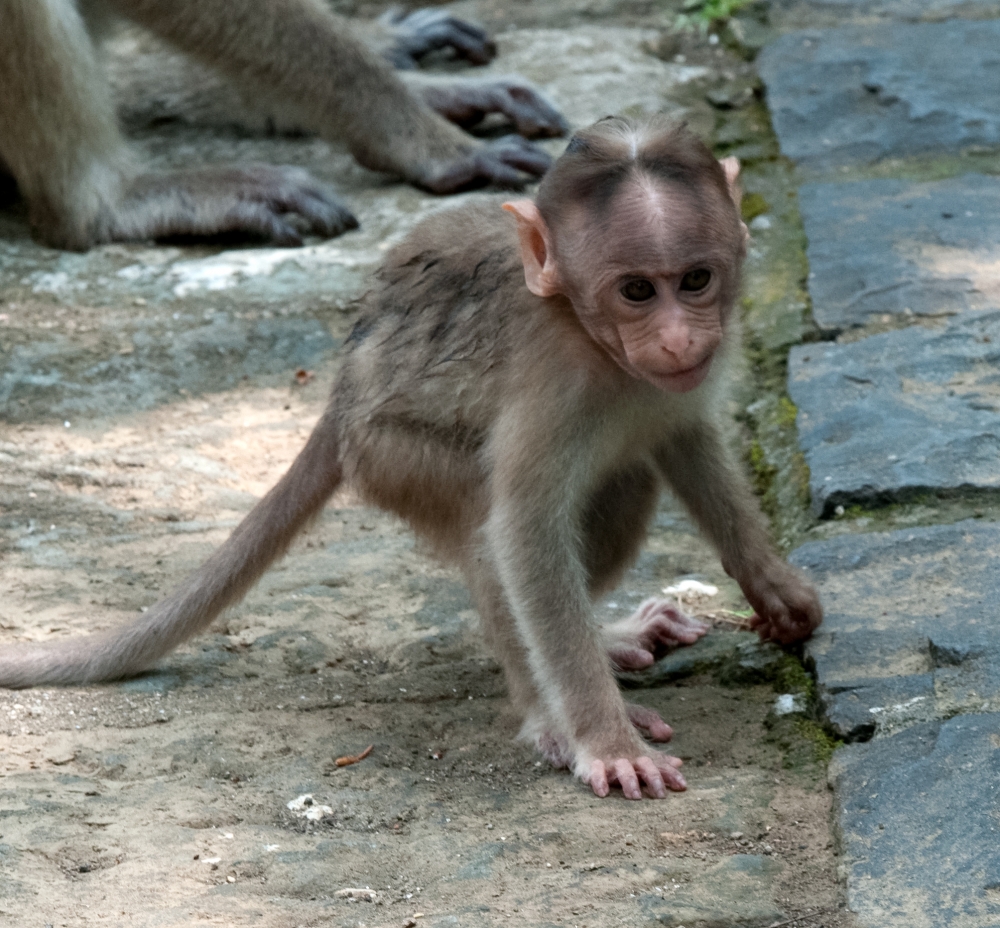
731,168
540,272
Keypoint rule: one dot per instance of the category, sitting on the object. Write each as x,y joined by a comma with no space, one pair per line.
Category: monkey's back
426,367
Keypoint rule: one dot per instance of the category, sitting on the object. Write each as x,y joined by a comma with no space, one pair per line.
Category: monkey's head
638,225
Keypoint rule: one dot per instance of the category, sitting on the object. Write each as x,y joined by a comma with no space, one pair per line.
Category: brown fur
60,140
492,421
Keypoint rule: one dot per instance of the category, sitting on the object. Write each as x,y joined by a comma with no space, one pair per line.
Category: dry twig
349,759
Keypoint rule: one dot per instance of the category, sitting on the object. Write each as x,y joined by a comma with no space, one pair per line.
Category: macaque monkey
519,393
60,140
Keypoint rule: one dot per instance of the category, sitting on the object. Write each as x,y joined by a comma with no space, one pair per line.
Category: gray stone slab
899,414
880,247
918,818
801,14
862,93
911,630
62,379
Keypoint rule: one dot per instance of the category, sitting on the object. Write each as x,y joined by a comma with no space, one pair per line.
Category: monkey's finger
651,776
624,773
672,778
625,657
671,630
599,779
326,217
648,721
255,218
521,154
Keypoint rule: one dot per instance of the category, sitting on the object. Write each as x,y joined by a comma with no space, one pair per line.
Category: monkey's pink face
661,327
652,280
659,291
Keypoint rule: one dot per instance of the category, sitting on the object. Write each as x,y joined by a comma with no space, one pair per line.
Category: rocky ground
151,393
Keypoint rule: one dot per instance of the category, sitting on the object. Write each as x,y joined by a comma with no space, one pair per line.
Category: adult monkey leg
297,51
60,140
403,38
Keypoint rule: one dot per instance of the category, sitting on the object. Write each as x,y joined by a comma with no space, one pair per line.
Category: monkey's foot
637,768
656,627
468,100
510,161
415,34
648,722
255,199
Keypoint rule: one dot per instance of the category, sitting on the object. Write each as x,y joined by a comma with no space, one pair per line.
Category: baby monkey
519,395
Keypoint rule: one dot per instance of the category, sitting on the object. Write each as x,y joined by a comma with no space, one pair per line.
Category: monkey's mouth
683,380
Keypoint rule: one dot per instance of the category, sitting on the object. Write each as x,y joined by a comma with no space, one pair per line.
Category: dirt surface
164,800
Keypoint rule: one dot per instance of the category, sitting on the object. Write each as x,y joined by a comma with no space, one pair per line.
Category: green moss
753,205
763,471
701,14
787,412
823,744
791,677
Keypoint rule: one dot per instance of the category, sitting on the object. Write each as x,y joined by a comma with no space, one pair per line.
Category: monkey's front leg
698,467
533,542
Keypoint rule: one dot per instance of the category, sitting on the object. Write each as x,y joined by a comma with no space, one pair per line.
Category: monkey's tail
260,539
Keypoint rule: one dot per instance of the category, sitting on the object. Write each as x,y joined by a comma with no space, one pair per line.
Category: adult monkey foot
258,199
656,627
412,35
466,101
405,38
510,161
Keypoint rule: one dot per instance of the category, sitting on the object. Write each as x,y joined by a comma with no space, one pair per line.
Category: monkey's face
655,285
652,279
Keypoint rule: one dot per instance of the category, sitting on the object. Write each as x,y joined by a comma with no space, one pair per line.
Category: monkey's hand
509,161
413,35
468,100
787,607
256,199
656,627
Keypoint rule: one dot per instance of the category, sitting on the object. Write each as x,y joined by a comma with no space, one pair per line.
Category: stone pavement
898,402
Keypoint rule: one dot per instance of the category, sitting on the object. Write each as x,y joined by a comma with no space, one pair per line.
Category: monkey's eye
696,280
638,291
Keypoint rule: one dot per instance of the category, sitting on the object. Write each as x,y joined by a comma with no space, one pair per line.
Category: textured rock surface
918,818
857,93
910,631
880,247
900,413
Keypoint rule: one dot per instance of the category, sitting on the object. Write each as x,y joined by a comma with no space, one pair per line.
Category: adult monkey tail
260,539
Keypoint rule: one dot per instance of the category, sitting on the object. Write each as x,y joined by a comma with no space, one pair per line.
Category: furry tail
260,539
